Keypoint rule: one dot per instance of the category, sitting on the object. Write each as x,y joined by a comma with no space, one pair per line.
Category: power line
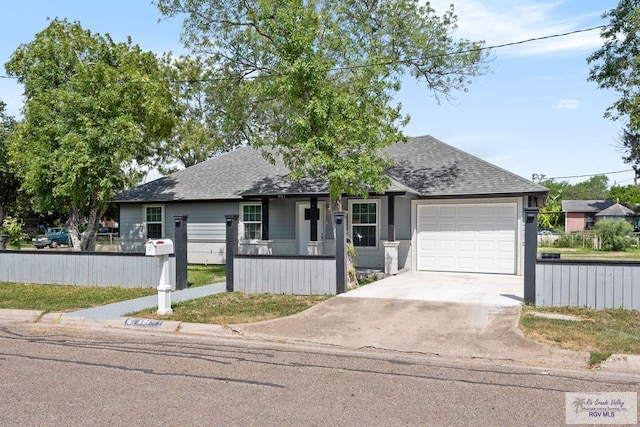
543,177
401,61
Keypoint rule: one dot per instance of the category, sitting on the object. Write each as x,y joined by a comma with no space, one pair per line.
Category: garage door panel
446,212
466,212
467,237
446,245
446,261
486,212
466,263
466,246
486,246
467,227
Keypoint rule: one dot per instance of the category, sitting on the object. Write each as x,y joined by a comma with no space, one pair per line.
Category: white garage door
474,238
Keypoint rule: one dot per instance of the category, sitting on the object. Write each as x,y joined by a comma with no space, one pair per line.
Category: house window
364,223
252,222
154,221
589,220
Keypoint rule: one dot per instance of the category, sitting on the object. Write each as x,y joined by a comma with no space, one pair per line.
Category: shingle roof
432,168
586,205
616,210
424,166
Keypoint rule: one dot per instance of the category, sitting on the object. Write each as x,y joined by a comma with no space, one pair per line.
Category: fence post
181,240
232,246
530,253
341,252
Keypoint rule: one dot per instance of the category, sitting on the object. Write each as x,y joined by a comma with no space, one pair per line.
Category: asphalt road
57,376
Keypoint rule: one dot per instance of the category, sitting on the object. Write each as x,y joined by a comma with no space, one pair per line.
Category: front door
303,231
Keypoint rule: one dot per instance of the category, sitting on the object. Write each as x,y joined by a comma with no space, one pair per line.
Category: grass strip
62,298
600,332
235,307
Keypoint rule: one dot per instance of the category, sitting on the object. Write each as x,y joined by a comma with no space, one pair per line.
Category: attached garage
467,237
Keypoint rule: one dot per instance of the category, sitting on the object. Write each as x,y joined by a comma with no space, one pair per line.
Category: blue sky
534,113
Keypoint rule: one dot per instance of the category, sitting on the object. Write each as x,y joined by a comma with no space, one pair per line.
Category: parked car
53,237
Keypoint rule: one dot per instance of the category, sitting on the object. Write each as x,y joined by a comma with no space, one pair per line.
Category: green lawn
63,298
235,307
600,332
220,309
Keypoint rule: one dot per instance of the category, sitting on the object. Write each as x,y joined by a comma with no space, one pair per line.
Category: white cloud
567,104
506,21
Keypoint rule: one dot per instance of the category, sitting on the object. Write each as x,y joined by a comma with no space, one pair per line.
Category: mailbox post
162,248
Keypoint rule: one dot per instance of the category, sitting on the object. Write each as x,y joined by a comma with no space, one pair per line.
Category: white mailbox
158,247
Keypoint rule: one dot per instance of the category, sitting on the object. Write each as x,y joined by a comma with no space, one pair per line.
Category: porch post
313,246
391,257
181,240
232,246
391,219
265,218
313,218
341,252
530,253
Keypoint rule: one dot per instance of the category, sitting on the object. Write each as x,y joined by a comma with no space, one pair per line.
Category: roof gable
424,166
616,210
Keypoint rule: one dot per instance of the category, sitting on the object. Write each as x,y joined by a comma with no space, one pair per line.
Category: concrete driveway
460,288
465,316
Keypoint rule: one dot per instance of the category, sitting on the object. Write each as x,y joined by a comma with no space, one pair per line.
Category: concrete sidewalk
118,309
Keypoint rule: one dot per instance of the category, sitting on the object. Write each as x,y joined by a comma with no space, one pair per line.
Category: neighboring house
582,215
444,209
617,211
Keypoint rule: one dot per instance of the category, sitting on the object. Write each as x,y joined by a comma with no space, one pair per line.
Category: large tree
206,105
616,66
9,183
94,112
318,78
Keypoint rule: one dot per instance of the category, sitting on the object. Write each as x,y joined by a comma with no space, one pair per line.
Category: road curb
19,316
621,363
121,323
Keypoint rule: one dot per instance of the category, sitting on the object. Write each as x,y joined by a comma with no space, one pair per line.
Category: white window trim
144,218
241,222
350,231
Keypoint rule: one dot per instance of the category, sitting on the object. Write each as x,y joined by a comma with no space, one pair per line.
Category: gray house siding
207,230
131,229
282,214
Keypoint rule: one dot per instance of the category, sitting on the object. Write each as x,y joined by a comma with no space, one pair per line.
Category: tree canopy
9,183
205,106
616,66
94,112
317,79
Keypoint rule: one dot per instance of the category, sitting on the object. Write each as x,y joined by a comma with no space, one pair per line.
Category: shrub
613,234
13,228
573,240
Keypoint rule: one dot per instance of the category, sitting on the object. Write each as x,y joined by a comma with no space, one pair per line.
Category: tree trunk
74,223
86,242
89,241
